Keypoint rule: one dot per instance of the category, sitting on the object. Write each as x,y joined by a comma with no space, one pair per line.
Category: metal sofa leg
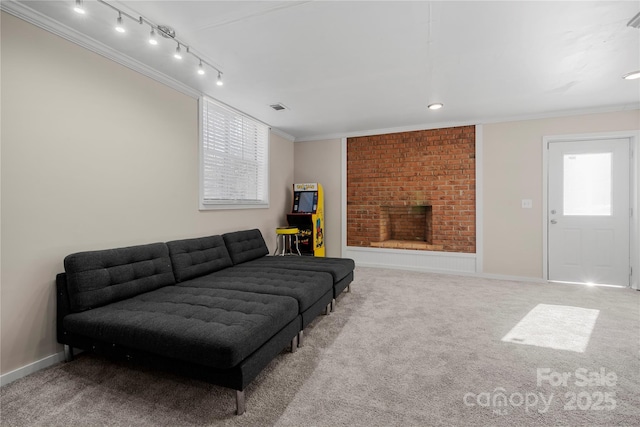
294,344
240,406
300,338
68,353
333,305
349,287
327,309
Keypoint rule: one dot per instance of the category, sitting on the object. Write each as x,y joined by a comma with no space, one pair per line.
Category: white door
589,216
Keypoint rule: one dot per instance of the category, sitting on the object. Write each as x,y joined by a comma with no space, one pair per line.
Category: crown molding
283,134
22,11
383,131
477,121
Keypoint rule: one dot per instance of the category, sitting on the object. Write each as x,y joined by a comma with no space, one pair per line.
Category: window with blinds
234,159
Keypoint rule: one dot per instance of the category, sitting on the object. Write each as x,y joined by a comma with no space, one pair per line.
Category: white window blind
234,159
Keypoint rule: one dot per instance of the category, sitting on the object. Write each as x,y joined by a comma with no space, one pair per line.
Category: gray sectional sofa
217,308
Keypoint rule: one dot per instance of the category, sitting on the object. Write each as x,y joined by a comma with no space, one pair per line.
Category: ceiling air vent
635,21
278,107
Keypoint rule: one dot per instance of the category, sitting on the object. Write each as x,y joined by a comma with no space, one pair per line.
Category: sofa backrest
245,245
98,278
198,257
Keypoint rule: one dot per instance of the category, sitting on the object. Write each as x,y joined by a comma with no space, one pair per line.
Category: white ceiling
344,68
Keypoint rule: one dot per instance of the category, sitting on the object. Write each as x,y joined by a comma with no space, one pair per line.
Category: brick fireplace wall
433,168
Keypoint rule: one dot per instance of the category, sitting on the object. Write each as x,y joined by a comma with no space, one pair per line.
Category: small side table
287,241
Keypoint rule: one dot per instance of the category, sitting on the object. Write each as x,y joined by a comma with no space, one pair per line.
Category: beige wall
512,168
94,156
319,161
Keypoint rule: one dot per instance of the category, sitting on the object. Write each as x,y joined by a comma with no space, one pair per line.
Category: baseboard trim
456,273
445,262
512,278
31,368
414,268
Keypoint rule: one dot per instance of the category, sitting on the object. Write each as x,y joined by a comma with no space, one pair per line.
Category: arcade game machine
308,215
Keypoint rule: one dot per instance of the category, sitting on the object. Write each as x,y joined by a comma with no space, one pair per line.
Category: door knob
553,221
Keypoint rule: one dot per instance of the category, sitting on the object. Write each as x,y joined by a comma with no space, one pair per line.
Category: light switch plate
527,203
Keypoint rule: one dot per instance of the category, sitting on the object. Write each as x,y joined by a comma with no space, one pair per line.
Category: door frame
634,168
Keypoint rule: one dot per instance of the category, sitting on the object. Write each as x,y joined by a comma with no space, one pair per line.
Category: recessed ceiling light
436,106
632,75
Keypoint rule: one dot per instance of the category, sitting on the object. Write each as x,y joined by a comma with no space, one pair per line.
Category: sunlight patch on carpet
560,327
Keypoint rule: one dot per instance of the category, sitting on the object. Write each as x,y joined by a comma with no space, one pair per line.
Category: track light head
632,75
152,37
219,82
119,25
201,68
178,54
79,7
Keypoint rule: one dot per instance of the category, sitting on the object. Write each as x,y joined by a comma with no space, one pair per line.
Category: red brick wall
432,167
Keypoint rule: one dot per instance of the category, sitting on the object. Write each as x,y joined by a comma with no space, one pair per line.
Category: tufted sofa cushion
198,257
306,288
213,327
245,245
339,268
97,278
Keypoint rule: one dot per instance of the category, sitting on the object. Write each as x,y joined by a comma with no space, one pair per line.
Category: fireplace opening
406,227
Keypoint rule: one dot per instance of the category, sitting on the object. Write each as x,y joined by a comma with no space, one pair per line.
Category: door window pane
587,184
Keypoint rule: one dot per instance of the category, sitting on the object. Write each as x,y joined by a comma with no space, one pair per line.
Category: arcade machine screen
305,205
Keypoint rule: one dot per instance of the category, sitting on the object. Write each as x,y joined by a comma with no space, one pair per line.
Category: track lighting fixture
164,30
119,26
79,7
152,37
435,106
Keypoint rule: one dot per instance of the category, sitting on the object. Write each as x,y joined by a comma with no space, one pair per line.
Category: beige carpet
404,348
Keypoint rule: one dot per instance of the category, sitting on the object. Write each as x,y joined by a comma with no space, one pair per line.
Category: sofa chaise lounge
216,308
